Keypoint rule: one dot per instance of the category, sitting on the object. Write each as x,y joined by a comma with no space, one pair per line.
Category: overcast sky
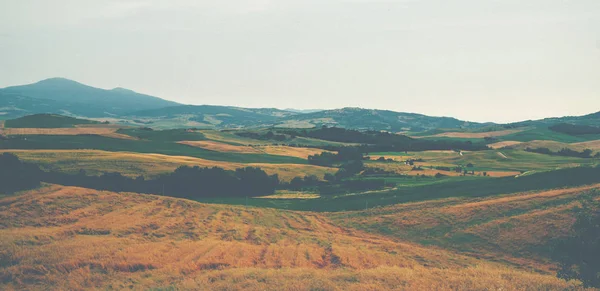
480,60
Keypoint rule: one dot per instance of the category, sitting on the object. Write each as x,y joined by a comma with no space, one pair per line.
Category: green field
422,191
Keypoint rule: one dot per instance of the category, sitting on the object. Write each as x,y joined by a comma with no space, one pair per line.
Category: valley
182,197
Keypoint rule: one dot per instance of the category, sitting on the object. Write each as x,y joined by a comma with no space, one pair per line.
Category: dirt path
502,155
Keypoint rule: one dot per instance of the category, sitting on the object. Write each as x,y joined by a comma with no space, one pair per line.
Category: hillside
47,121
214,116
359,118
71,97
73,238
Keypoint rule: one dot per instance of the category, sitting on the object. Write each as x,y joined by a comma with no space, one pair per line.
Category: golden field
512,228
102,131
69,238
298,152
135,164
475,134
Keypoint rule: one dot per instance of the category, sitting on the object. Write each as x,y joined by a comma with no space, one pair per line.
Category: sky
477,60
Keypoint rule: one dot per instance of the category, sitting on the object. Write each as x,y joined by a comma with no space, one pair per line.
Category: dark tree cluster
16,175
344,154
565,152
579,253
573,129
383,141
184,182
266,136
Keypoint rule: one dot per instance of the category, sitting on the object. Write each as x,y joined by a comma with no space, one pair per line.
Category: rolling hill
359,118
58,95
69,238
215,116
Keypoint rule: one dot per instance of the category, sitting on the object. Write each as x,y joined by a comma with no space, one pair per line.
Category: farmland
107,240
435,219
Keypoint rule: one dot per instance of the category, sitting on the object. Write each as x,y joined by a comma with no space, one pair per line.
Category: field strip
108,132
135,164
503,144
298,152
221,147
456,134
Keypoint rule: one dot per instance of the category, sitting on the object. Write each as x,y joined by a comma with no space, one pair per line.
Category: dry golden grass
502,144
593,145
68,238
476,134
403,169
220,147
135,164
298,152
291,195
103,131
511,228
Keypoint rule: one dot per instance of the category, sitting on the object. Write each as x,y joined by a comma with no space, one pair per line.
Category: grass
71,238
96,162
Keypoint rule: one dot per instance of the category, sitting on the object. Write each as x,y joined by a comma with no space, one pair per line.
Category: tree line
382,141
565,152
184,182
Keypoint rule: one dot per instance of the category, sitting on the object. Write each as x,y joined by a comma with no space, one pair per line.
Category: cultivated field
71,238
102,131
298,152
514,228
456,134
136,164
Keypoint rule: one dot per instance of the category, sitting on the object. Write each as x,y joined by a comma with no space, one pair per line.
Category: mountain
359,118
58,95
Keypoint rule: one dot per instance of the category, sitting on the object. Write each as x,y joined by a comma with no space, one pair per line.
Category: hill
70,238
359,118
214,116
67,96
47,121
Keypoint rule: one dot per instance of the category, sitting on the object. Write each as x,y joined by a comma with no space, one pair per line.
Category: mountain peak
122,90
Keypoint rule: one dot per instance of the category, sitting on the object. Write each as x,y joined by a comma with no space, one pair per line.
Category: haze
475,60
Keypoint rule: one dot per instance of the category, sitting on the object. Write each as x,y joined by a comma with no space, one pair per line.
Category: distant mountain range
67,97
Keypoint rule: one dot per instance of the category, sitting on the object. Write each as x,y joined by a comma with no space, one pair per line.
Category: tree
469,165
329,177
578,254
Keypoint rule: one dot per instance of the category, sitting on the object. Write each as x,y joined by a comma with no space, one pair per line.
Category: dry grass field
503,144
221,147
68,238
513,228
135,164
593,145
103,131
299,152
475,134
